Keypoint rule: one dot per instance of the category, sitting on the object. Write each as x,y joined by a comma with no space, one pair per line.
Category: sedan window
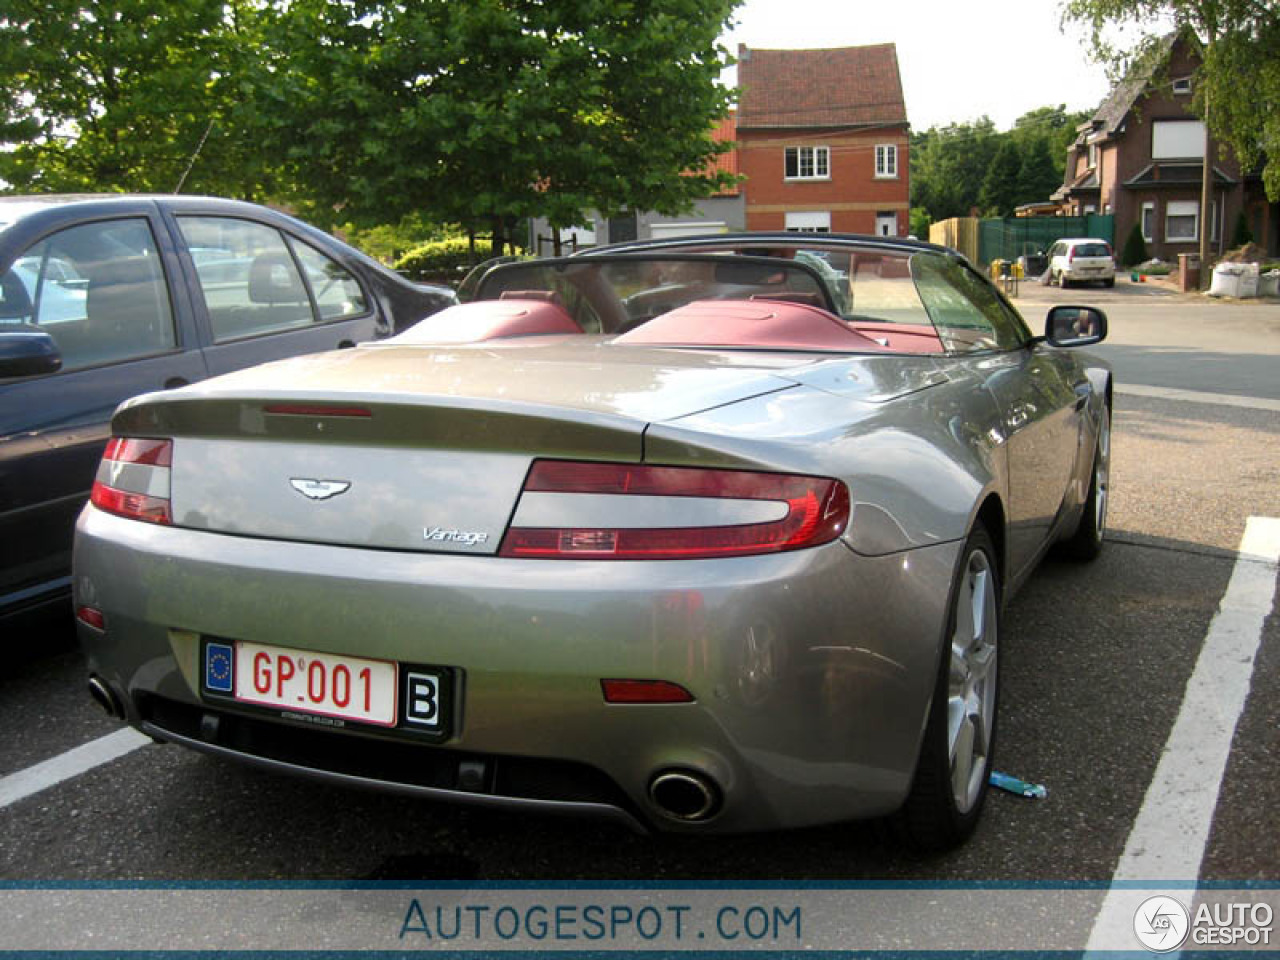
250,280
98,289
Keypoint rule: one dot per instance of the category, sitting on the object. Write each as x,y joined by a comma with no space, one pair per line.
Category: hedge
441,261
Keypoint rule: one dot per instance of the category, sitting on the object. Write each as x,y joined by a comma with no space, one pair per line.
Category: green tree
1039,173
1135,248
999,194
1238,84
948,165
489,111
126,95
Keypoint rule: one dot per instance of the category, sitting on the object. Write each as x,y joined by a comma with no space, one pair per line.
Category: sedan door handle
1082,395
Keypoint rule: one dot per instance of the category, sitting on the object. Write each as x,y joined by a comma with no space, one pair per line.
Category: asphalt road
1096,662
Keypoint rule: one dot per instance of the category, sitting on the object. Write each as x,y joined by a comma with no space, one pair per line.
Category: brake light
316,410
133,479
664,513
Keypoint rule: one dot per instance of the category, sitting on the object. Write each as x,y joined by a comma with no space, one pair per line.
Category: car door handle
1082,395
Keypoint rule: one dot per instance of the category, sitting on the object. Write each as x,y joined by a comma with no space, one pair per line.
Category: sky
959,59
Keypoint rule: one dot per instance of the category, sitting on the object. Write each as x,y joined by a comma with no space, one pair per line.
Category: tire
1085,543
950,782
1109,283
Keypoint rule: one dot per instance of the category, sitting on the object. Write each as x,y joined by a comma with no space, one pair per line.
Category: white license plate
333,686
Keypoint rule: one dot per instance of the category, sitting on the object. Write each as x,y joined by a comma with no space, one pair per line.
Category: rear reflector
644,691
133,479
811,511
92,617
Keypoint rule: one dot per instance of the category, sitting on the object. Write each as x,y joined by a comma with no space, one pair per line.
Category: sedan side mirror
1075,326
28,353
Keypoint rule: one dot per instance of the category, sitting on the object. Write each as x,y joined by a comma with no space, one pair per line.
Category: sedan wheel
951,775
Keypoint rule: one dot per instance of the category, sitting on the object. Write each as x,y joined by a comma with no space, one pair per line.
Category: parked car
664,536
102,298
1081,260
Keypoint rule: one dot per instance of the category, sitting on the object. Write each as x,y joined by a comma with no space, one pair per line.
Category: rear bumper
812,671
1083,274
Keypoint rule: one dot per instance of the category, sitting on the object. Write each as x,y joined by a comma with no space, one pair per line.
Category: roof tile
837,87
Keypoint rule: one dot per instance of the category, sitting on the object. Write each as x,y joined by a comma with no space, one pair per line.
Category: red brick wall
853,195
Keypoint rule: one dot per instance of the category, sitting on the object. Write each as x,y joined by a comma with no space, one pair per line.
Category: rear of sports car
444,591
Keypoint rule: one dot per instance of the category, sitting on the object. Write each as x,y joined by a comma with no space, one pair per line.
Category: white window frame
819,163
1182,209
886,161
1093,156
1182,86
1149,229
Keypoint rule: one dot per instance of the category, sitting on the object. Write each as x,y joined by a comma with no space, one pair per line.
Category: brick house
823,140
1140,157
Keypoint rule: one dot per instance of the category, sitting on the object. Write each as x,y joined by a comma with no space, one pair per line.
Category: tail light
133,479
603,511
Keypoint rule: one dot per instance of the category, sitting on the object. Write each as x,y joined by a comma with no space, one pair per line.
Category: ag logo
1161,924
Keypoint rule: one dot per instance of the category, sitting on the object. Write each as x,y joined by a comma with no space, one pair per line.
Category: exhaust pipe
684,795
105,697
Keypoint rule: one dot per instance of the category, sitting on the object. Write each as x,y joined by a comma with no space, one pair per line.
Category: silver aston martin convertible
706,536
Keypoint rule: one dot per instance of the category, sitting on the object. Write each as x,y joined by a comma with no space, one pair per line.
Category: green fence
1010,238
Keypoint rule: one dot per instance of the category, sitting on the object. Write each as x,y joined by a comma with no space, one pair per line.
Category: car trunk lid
411,448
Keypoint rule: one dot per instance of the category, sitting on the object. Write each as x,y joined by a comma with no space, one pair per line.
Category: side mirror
28,353
1075,326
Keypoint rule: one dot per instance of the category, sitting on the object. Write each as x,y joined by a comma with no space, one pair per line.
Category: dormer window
1182,86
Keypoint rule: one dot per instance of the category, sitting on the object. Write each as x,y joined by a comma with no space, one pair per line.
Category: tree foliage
367,112
1135,248
971,166
126,95
493,110
1237,87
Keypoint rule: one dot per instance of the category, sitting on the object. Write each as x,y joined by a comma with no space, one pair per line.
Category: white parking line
1199,396
20,785
1169,835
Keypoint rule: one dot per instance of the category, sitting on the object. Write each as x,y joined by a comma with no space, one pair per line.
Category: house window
1182,221
1177,140
886,160
808,163
1182,86
1149,221
1213,221
809,221
1093,155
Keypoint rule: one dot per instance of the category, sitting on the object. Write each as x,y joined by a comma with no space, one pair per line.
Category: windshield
843,298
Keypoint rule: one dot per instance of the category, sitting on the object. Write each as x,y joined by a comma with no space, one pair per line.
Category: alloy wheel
971,688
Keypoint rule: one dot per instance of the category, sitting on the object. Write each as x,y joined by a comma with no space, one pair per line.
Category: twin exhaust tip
685,796
105,697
